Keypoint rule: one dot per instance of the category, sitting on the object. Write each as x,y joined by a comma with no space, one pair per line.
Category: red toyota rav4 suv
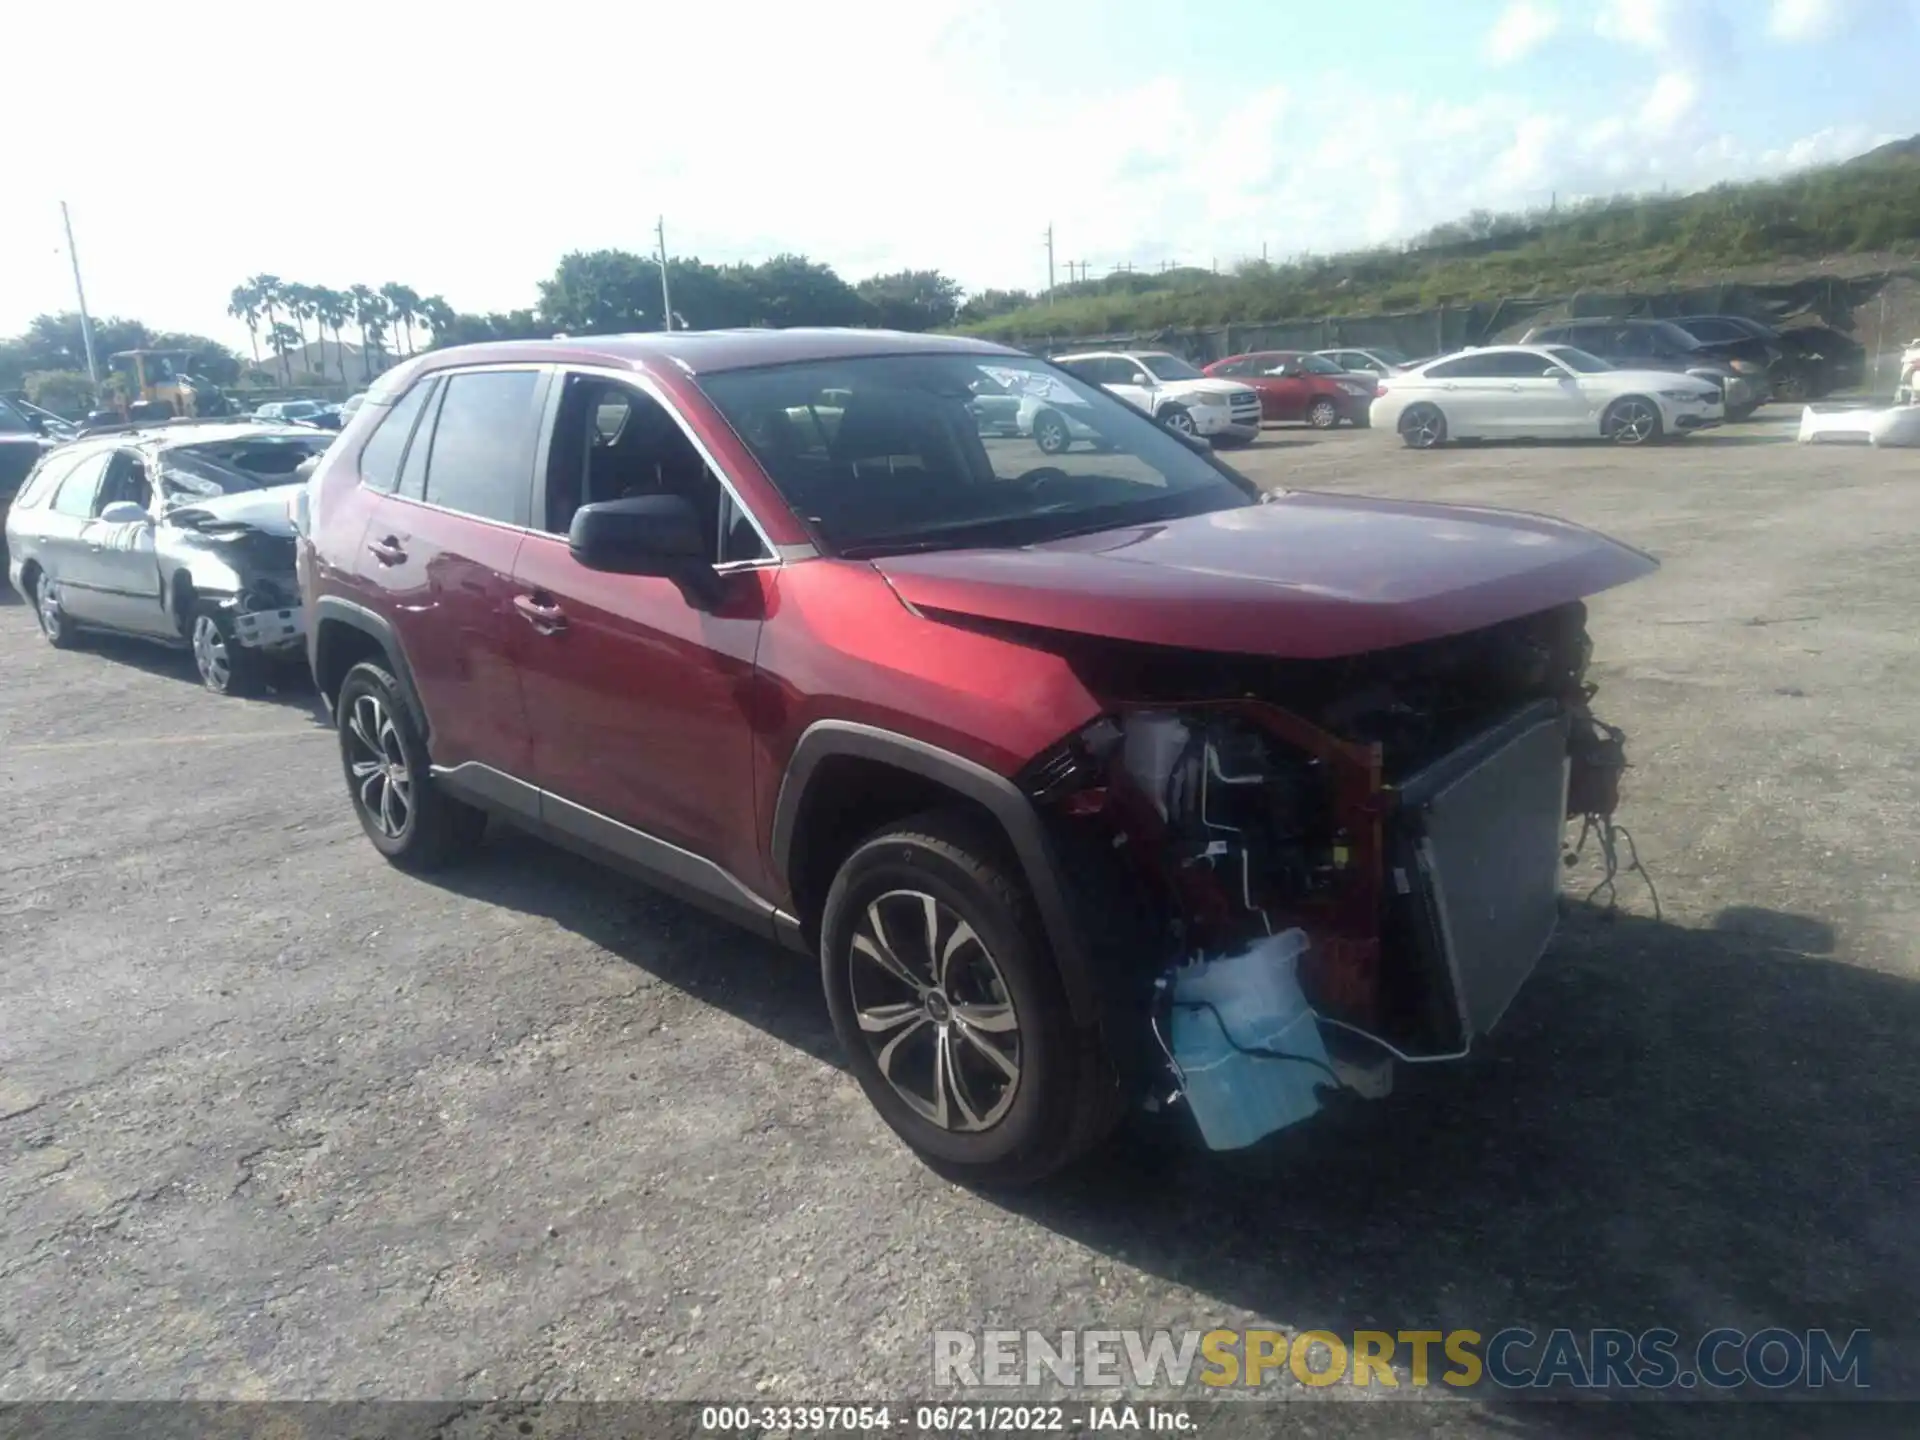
1083,776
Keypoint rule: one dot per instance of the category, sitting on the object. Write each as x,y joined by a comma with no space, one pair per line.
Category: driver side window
615,442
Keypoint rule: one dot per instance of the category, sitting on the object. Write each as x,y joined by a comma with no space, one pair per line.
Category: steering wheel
1033,481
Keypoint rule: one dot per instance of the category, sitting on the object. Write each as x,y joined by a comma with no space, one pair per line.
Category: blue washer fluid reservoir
1253,997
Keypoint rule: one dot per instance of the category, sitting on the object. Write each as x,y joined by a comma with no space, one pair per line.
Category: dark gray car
180,534
1662,345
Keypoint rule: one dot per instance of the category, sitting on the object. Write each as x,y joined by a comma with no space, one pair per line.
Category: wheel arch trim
333,610
999,796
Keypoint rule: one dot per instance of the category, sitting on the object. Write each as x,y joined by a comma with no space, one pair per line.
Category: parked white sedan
1540,392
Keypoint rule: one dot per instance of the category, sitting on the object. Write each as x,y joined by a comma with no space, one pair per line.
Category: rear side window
41,482
380,456
1466,367
481,463
75,496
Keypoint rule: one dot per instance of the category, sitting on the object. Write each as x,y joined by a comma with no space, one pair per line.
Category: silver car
181,534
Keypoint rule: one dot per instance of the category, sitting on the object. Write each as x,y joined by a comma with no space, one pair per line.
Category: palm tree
403,305
369,313
299,302
438,315
330,309
282,338
266,292
243,304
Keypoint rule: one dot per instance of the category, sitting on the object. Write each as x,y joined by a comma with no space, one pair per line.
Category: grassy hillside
1868,205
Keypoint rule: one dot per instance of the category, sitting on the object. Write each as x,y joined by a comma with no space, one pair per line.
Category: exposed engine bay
1373,842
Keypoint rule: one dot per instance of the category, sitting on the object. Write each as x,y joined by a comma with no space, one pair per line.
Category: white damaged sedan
1540,392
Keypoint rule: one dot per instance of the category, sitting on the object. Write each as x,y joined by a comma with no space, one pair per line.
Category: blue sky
463,156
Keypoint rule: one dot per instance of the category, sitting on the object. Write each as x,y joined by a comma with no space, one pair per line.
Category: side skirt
665,866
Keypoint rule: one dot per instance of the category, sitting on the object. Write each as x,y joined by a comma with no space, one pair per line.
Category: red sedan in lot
1294,385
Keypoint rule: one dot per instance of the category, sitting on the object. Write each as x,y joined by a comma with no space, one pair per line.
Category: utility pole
86,322
666,299
1049,264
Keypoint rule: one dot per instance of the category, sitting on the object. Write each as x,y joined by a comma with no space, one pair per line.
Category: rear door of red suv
437,559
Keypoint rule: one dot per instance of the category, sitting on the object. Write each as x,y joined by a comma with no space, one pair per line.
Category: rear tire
1323,414
1423,427
409,819
945,997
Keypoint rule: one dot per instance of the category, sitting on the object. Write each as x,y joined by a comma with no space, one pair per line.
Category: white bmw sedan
1540,392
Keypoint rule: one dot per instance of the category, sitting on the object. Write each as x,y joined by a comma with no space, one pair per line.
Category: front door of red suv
437,560
640,703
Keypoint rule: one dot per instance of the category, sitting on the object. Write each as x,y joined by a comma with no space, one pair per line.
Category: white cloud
1523,27
1671,100
1644,24
1798,22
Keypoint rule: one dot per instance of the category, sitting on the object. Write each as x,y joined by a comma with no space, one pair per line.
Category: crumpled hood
1306,576
262,510
1208,386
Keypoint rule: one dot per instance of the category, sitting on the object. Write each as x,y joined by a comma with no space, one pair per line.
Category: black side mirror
647,535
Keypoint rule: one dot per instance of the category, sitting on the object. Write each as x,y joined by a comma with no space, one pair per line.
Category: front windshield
299,409
205,471
1320,365
1169,367
883,454
1578,361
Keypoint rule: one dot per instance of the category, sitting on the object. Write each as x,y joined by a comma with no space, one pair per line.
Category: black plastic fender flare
333,610
998,795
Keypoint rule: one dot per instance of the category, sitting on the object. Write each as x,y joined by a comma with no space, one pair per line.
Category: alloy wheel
47,608
1051,436
1634,422
1424,429
210,653
1180,420
382,782
1323,415
935,1011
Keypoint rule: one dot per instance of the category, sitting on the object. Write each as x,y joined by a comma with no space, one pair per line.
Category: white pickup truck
1173,392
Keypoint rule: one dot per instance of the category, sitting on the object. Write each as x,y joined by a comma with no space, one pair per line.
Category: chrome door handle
543,615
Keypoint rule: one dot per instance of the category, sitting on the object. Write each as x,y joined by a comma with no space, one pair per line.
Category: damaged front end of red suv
1297,870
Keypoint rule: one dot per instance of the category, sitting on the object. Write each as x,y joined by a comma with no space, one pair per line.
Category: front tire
945,998
226,666
406,815
1179,419
1631,420
1423,427
1050,433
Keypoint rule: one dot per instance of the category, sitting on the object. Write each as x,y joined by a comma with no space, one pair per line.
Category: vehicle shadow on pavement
1672,1127
719,963
291,688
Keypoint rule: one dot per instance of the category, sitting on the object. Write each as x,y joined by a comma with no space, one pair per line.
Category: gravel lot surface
277,1121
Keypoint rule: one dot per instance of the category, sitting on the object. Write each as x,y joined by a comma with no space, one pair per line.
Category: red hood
1304,577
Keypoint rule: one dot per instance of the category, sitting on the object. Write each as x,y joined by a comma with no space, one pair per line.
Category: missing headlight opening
1337,865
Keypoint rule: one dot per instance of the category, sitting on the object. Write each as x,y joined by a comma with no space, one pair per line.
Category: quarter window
75,496
380,456
481,461
42,481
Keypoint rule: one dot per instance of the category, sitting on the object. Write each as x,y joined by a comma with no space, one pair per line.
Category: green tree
65,392
208,359
331,310
266,292
601,292
793,290
910,300
989,303
437,315
283,340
